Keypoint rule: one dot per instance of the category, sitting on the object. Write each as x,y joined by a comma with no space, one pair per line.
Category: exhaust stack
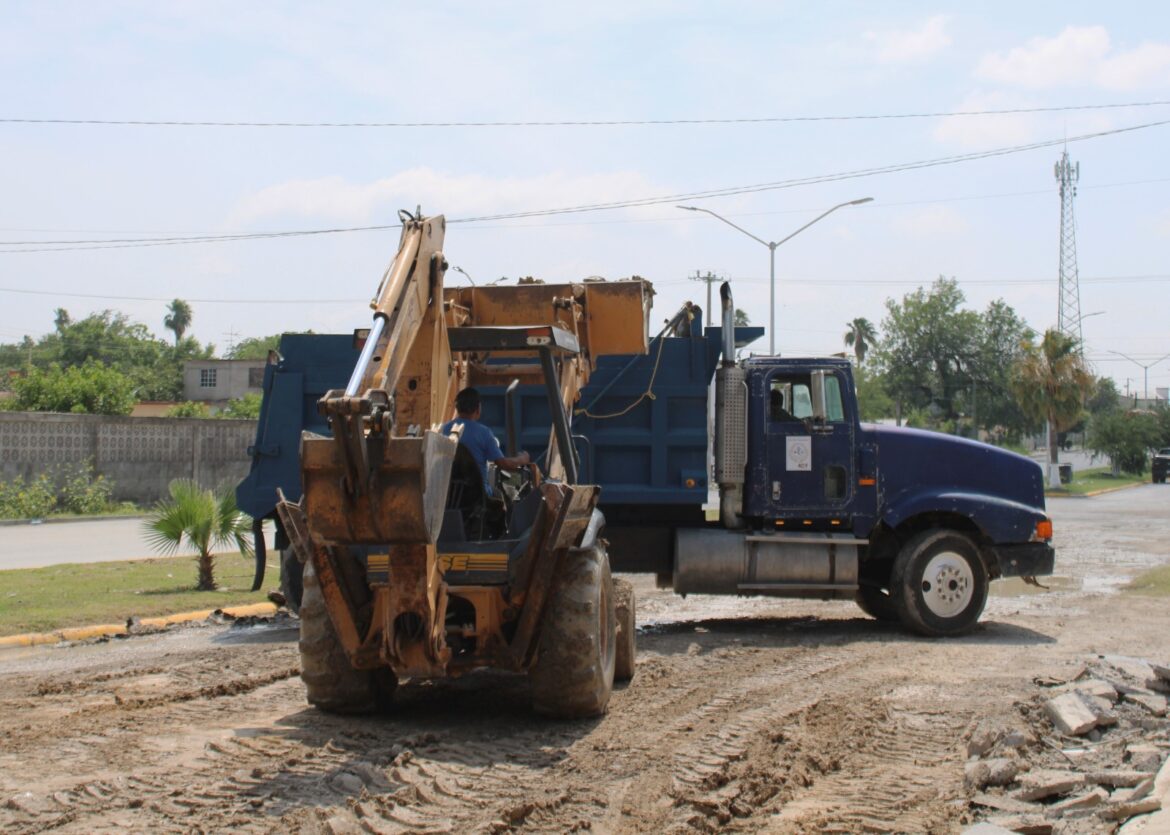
730,422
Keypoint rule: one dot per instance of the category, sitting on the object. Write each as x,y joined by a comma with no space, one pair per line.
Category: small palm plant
207,519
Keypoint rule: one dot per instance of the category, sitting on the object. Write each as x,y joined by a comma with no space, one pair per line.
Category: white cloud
932,223
977,132
1079,55
906,46
336,199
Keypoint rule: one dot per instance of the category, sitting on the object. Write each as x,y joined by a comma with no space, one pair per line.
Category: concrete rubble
1090,753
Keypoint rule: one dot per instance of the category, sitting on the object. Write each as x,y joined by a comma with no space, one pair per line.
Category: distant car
1161,465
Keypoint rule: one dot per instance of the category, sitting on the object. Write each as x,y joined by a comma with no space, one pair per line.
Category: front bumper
1030,559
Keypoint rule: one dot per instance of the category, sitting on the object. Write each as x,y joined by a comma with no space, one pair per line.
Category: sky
780,68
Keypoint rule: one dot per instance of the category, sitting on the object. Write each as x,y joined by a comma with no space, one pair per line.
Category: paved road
100,540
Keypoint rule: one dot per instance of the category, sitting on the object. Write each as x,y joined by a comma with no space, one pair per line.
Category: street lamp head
689,208
859,202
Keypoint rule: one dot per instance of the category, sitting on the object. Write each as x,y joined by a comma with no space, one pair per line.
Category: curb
1093,493
66,520
84,633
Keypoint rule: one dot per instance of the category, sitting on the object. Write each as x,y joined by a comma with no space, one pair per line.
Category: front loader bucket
400,502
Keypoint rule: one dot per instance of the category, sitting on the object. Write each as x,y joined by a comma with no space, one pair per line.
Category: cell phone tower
1068,318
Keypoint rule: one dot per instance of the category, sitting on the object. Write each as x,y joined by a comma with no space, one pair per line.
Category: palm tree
206,518
1050,382
178,318
860,337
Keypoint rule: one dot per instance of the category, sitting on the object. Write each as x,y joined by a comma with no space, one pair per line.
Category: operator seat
466,493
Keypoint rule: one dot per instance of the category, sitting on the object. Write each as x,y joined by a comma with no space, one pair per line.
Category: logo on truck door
798,453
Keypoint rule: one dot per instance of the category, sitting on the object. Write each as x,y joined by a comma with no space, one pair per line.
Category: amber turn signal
1044,529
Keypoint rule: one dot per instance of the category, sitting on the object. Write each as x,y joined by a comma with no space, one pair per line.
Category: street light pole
771,245
1145,371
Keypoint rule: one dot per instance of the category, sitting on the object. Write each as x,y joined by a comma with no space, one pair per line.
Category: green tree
1051,383
861,336
928,342
741,318
873,401
206,519
988,400
1126,437
1105,398
254,348
91,387
178,319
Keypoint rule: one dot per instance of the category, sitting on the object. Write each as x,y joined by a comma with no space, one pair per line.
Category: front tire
878,603
572,676
939,583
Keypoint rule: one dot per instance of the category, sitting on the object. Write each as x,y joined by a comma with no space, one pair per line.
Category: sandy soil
745,715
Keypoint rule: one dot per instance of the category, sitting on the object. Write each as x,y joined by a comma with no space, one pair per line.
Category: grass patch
1154,583
59,596
1099,478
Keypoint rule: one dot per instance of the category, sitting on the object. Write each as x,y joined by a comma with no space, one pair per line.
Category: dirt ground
752,715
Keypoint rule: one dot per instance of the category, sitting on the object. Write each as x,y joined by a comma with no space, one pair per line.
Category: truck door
809,460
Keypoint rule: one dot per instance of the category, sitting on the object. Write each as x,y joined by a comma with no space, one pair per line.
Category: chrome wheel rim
948,584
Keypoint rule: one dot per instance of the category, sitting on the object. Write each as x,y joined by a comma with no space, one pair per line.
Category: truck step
785,538
797,586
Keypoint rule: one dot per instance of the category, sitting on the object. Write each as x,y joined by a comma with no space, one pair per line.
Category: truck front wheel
572,676
939,583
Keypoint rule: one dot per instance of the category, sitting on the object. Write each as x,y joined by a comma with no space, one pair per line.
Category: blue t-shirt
480,442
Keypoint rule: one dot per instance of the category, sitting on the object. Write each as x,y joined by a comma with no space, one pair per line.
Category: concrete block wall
140,455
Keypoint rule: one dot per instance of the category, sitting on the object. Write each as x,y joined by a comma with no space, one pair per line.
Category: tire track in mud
735,735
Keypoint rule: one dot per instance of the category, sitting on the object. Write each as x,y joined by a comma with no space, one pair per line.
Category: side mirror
820,411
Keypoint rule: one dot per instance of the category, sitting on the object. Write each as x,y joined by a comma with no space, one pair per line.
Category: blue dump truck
812,502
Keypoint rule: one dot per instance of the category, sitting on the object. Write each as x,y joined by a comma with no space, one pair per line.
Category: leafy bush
83,493
31,499
72,489
246,407
188,409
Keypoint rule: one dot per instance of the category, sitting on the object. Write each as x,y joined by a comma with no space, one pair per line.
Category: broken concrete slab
1161,671
1097,687
1071,714
986,828
1137,668
1118,779
1152,702
1004,803
985,736
1124,811
1143,756
1106,717
1079,803
997,771
1042,783
1024,824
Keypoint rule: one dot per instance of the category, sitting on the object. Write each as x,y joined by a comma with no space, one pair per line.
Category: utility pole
1068,318
232,337
707,279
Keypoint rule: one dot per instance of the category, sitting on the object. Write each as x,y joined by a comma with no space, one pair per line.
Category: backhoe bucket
396,496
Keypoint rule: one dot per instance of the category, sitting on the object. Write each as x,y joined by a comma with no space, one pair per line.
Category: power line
628,204
572,123
104,297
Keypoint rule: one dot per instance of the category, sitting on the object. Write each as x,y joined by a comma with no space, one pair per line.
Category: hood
916,460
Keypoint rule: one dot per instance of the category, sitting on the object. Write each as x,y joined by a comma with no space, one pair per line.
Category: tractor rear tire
572,676
625,612
331,682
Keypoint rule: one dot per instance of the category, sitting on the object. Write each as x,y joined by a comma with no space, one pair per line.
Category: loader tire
572,676
331,683
625,613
